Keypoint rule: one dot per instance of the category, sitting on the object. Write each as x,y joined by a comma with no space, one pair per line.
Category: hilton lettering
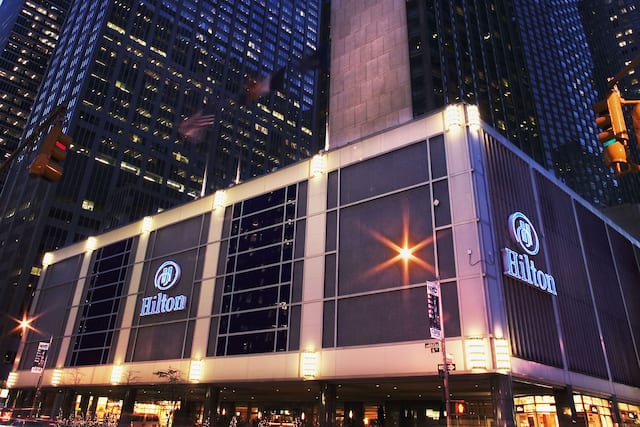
520,267
162,303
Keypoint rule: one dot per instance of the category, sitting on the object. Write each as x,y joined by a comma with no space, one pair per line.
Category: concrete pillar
565,408
327,410
128,403
502,398
211,399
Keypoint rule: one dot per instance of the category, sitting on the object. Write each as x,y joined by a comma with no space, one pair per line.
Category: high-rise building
529,68
130,72
612,32
29,32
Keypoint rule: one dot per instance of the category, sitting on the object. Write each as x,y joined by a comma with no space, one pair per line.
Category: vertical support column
565,408
615,410
327,405
128,403
84,405
502,398
211,398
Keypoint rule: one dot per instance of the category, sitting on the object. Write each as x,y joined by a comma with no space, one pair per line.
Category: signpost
436,331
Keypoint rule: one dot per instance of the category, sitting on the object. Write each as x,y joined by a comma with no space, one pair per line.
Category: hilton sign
167,275
518,265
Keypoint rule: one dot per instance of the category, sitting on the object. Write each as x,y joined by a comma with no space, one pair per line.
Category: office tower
28,35
130,72
612,31
528,67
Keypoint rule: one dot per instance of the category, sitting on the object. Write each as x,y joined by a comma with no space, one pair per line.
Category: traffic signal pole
57,114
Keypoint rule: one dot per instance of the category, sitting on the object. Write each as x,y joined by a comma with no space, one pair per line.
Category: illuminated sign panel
167,276
519,265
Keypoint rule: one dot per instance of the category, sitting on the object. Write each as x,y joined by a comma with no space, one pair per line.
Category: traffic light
51,154
613,132
460,407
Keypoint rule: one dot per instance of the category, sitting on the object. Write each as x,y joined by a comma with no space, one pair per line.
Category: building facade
29,31
303,297
130,72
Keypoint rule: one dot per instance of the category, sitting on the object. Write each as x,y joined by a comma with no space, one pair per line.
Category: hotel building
302,297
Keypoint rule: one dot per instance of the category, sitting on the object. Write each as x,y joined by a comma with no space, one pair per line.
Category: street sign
450,367
433,310
434,346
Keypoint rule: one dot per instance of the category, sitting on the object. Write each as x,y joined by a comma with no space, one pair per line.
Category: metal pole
443,347
36,398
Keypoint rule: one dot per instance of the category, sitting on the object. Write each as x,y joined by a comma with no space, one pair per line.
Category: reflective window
257,310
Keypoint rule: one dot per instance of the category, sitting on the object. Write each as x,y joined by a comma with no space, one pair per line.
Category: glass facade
383,205
528,68
259,291
130,72
100,311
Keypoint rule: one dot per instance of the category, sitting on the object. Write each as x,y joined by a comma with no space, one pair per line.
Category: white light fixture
309,365
116,374
147,224
476,352
12,379
47,259
92,244
219,199
503,357
195,371
56,377
318,165
473,117
453,117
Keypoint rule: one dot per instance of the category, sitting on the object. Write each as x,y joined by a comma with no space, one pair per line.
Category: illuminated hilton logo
167,275
518,265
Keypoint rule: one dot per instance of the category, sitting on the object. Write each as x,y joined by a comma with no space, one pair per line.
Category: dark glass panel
438,157
446,256
258,258
257,278
256,298
261,220
253,320
332,190
328,324
261,342
332,234
370,235
264,201
442,211
281,341
330,276
264,237
384,174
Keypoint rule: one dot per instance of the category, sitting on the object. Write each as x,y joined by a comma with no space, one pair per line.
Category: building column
565,408
502,398
211,398
128,403
84,405
327,410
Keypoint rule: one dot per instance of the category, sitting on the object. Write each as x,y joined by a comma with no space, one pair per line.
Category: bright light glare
405,253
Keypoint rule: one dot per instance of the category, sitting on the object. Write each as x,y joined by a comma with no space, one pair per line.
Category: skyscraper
612,32
29,32
129,73
529,68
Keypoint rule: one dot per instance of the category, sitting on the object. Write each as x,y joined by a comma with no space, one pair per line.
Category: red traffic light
51,154
460,407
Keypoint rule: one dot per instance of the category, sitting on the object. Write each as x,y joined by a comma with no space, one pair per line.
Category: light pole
39,362
436,330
